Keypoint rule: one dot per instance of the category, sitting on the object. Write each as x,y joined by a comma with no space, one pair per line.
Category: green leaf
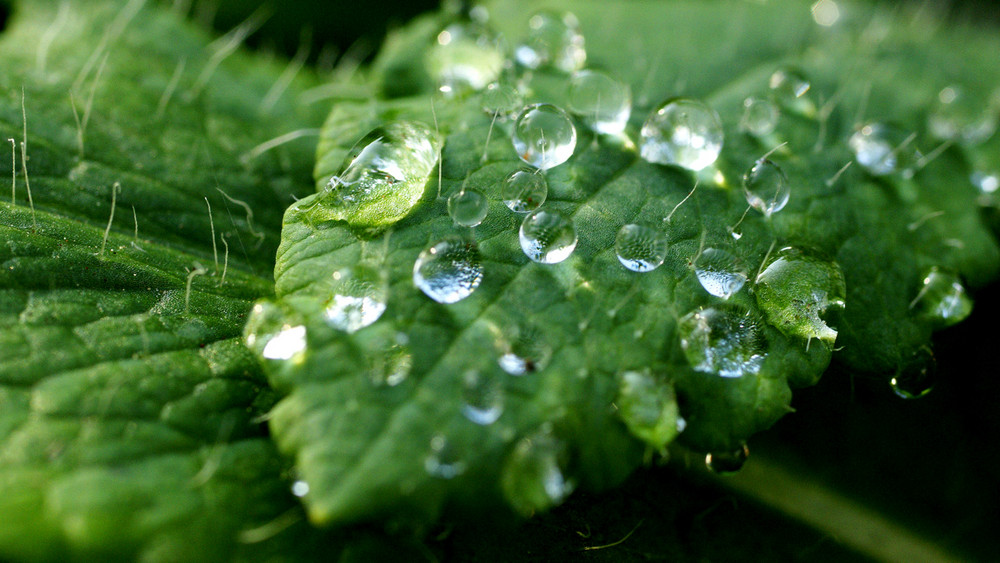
377,417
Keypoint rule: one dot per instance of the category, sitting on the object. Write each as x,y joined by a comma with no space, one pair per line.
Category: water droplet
533,477
766,187
957,116
790,90
720,272
648,407
449,270
443,461
826,13
683,132
273,335
723,341
604,103
300,488
884,149
483,396
641,248
524,191
544,136
501,100
548,237
524,350
728,462
553,41
760,116
942,298
286,344
468,207
916,376
390,363
359,298
465,56
795,289
985,182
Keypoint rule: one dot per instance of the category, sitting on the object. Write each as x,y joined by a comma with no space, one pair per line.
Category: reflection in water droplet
553,41
501,100
766,187
468,207
884,149
524,191
524,350
942,298
443,461
720,272
359,298
648,407
956,116
300,488
604,103
760,116
916,377
640,248
533,477
449,270
826,13
544,136
286,344
548,237
482,396
790,90
795,288
728,462
723,341
683,132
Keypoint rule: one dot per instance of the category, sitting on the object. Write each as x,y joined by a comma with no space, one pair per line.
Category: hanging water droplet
524,191
468,207
884,149
553,41
548,237
648,407
640,248
720,272
466,56
723,341
795,289
760,116
790,90
942,298
449,270
728,462
682,132
766,187
604,103
916,376
524,350
359,298
533,478
482,396
957,116
544,136
443,461
501,100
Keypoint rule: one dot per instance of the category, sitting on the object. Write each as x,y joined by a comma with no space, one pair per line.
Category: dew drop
766,187
553,41
957,116
524,351
359,298
272,335
795,289
723,341
548,237
604,103
640,248
465,56
682,132
884,149
286,344
917,376
533,477
501,100
648,407
942,298
390,364
300,488
443,461
468,207
790,90
544,136
720,272
524,191
986,182
449,270
482,396
760,116
728,462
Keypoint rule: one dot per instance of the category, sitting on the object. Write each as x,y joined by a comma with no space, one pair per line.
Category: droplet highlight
524,191
790,90
725,341
640,248
553,41
544,136
449,270
482,396
524,350
916,377
766,187
468,207
602,102
547,237
682,132
720,272
728,462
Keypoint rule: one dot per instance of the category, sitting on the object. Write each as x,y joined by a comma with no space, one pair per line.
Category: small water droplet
760,116
544,136
604,103
916,377
548,237
449,270
483,396
390,364
826,13
795,288
359,298
985,182
884,149
466,56
553,41
468,207
682,132
723,341
524,350
942,298
728,462
300,488
640,248
648,407
720,272
766,187
533,478
524,191
443,461
286,344
790,90
957,116
501,100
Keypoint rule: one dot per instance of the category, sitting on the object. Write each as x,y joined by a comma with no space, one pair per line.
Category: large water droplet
524,350
760,116
728,462
683,132
468,207
884,149
648,407
465,56
795,289
604,103
548,237
720,272
359,298
443,461
533,477
501,100
544,136
942,298
916,376
524,191
790,90
724,341
553,41
641,248
957,116
449,270
482,396
766,187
